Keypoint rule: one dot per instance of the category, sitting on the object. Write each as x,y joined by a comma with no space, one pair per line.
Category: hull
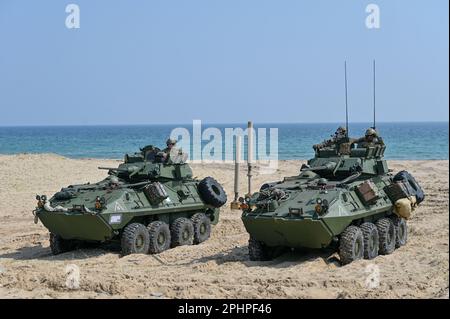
123,207
77,226
312,230
297,233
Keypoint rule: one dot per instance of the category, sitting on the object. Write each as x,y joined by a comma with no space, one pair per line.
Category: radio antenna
374,109
346,102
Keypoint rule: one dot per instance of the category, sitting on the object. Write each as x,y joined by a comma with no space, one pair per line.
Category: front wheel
135,239
59,245
351,245
258,251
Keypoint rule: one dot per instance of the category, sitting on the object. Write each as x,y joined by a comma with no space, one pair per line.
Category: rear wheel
182,231
371,240
401,230
159,234
135,239
58,245
202,227
351,245
258,251
387,233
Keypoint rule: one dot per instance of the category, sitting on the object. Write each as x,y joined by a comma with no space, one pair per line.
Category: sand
218,268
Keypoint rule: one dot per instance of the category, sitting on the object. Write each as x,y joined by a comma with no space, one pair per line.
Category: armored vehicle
344,197
149,203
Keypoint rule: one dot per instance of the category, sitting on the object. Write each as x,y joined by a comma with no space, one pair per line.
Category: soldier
165,153
339,137
170,144
371,138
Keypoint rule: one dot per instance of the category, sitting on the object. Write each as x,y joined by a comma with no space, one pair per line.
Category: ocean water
403,140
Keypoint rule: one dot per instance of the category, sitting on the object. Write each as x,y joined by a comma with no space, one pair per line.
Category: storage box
155,193
367,192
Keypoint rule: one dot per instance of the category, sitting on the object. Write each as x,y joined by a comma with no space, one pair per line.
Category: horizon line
214,123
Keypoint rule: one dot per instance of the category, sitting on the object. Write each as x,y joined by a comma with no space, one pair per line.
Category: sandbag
404,206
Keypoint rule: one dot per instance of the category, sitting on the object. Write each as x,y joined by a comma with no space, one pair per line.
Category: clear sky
221,61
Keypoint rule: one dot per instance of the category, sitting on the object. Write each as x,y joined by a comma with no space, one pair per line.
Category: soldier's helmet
371,132
113,180
341,130
171,141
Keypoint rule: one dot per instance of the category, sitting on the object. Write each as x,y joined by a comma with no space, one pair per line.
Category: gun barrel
329,166
110,168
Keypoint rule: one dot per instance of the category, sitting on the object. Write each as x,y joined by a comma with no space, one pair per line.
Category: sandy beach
219,267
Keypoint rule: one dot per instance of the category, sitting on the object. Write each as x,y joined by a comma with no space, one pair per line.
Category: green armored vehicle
344,197
150,202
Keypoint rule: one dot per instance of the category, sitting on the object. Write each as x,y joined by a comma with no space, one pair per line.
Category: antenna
346,103
374,109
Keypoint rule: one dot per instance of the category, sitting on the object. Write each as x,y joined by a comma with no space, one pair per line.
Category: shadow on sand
285,259
83,251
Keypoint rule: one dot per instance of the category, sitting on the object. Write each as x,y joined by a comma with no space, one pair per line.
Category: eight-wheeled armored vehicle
149,202
345,196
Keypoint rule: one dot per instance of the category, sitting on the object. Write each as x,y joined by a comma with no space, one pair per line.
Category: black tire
159,237
416,189
135,239
58,245
202,227
258,251
212,192
387,233
351,245
182,231
371,240
401,230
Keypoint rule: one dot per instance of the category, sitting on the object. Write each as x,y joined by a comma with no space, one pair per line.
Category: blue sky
145,62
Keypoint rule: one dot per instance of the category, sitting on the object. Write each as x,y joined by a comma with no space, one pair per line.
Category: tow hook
36,219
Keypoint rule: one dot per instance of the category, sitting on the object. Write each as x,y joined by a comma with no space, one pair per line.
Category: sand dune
218,268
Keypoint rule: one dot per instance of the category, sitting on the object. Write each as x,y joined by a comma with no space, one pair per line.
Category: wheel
58,245
212,192
202,227
416,189
371,240
258,251
387,233
159,237
401,230
135,239
351,245
182,231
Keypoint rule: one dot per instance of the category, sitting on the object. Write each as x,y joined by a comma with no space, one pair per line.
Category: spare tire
417,191
211,192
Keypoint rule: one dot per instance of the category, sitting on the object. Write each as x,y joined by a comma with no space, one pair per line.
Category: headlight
318,208
40,200
99,202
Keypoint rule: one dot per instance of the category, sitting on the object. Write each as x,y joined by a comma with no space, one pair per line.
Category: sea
405,141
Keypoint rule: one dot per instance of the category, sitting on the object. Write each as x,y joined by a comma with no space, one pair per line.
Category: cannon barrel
328,166
113,168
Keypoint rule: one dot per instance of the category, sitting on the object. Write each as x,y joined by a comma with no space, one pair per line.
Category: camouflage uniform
165,153
371,138
338,141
